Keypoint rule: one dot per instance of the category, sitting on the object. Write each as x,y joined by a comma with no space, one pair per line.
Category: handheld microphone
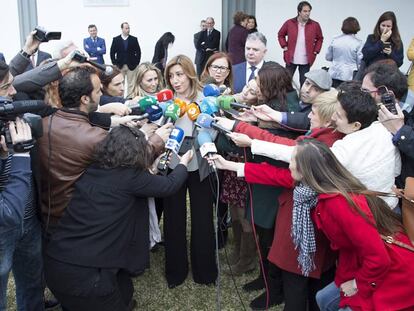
207,147
172,113
206,121
21,106
173,145
211,90
182,104
83,59
164,95
226,102
142,104
152,113
193,111
209,106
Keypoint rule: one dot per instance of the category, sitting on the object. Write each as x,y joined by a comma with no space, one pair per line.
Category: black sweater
106,224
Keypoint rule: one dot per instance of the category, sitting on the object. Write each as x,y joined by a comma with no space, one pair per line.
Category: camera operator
399,124
20,247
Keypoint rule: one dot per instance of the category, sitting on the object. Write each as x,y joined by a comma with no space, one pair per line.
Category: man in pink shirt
301,40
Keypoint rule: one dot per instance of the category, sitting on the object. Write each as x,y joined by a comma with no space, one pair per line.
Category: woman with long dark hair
161,50
385,42
103,237
376,258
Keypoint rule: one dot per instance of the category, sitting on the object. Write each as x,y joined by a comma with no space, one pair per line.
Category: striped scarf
303,232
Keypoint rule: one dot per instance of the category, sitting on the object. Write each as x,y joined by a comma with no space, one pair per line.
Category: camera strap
24,146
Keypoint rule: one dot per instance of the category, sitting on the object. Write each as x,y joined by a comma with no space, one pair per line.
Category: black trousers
302,70
202,245
300,291
85,288
265,242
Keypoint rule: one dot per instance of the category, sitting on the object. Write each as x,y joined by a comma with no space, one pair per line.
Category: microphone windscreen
108,70
182,104
204,120
164,95
208,105
154,112
225,101
175,140
193,111
211,90
172,112
203,137
146,101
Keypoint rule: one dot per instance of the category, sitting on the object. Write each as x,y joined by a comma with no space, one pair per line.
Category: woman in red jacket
375,269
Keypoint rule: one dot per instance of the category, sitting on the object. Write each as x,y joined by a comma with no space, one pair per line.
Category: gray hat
321,78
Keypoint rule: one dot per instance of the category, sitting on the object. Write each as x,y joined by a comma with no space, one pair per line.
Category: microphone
211,90
164,95
152,113
83,59
193,111
226,102
206,121
182,104
21,106
209,106
142,104
172,113
173,145
207,147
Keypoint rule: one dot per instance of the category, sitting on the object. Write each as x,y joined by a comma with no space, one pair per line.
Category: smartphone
388,99
387,45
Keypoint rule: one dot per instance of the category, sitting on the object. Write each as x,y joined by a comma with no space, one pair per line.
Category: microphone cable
257,241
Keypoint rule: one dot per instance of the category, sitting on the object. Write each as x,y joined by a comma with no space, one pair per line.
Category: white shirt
249,70
299,56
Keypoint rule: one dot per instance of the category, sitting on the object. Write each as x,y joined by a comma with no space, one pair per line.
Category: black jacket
106,224
131,57
404,140
208,42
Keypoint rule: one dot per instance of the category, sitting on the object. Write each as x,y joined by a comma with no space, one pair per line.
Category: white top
368,154
299,56
345,53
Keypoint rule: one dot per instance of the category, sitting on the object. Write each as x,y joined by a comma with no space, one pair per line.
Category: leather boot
247,261
237,231
258,283
275,294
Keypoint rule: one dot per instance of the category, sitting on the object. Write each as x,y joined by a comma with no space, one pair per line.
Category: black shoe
259,303
51,303
256,284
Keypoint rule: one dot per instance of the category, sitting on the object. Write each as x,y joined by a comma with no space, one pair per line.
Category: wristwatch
25,54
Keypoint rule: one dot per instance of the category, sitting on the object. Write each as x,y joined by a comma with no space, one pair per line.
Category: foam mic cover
182,104
211,90
227,102
142,104
208,105
164,95
172,113
152,113
193,111
175,140
207,147
206,121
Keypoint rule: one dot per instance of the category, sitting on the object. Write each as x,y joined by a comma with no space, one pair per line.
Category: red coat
313,39
283,253
384,273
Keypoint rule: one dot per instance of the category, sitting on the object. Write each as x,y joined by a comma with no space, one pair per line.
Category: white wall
330,13
148,21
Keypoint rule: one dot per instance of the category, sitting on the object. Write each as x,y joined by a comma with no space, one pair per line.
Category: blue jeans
20,252
328,299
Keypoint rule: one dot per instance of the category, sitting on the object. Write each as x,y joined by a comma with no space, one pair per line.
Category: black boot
258,283
275,292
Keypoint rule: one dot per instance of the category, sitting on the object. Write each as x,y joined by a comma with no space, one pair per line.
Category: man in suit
126,54
255,51
208,42
36,59
198,56
94,45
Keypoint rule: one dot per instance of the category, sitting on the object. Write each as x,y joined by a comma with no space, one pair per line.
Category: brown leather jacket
63,161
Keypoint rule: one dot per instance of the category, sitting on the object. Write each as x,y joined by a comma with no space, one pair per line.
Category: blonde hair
326,103
142,69
188,68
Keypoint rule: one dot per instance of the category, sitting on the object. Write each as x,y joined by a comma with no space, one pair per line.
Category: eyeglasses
217,68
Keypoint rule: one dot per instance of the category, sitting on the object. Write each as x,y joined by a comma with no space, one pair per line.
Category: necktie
209,32
32,59
252,68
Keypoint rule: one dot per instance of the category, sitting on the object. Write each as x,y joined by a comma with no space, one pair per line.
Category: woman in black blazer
103,237
161,50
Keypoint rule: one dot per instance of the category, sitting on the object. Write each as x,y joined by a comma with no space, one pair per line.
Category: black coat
211,42
159,55
131,57
405,143
106,224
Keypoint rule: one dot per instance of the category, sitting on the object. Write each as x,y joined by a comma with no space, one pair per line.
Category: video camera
44,36
9,110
